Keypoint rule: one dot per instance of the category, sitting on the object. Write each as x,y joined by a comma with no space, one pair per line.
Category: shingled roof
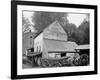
57,45
81,47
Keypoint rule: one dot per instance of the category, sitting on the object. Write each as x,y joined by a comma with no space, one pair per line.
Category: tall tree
85,29
43,19
79,35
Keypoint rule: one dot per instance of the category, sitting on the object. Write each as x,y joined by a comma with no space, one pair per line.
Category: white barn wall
45,51
38,42
55,31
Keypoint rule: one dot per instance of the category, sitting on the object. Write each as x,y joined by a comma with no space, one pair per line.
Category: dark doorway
63,54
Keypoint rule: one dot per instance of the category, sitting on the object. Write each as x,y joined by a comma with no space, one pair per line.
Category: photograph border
14,22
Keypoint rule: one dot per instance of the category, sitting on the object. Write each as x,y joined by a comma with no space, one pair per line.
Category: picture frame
17,9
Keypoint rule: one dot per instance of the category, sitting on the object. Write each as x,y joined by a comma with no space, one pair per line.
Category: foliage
81,34
43,19
82,61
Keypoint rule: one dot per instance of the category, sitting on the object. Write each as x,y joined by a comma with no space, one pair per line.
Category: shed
83,49
53,42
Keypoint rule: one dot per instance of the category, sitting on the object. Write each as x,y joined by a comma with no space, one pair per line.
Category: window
30,36
51,55
37,48
58,56
63,54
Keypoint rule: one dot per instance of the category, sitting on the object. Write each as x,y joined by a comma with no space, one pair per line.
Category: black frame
14,39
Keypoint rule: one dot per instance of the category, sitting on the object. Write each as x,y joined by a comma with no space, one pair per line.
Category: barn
53,42
83,49
28,42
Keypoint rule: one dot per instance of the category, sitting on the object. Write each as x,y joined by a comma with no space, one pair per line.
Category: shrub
83,60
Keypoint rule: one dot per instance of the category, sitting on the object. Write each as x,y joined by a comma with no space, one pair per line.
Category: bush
82,61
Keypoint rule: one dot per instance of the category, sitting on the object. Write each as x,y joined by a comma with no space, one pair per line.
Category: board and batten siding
38,43
55,31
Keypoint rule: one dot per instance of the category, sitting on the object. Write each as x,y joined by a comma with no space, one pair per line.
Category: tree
24,20
79,35
85,29
25,23
70,29
43,19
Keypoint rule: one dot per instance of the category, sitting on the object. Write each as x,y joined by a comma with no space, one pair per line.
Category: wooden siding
28,41
55,31
38,43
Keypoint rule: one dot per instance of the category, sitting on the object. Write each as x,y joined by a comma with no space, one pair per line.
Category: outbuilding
53,42
83,49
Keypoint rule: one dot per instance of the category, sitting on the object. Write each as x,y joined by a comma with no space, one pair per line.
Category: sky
28,15
74,18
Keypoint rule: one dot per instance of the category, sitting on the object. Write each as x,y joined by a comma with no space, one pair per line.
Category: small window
52,55
37,48
32,49
57,55
63,54
30,36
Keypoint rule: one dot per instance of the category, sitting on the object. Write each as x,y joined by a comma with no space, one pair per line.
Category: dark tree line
81,34
43,19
